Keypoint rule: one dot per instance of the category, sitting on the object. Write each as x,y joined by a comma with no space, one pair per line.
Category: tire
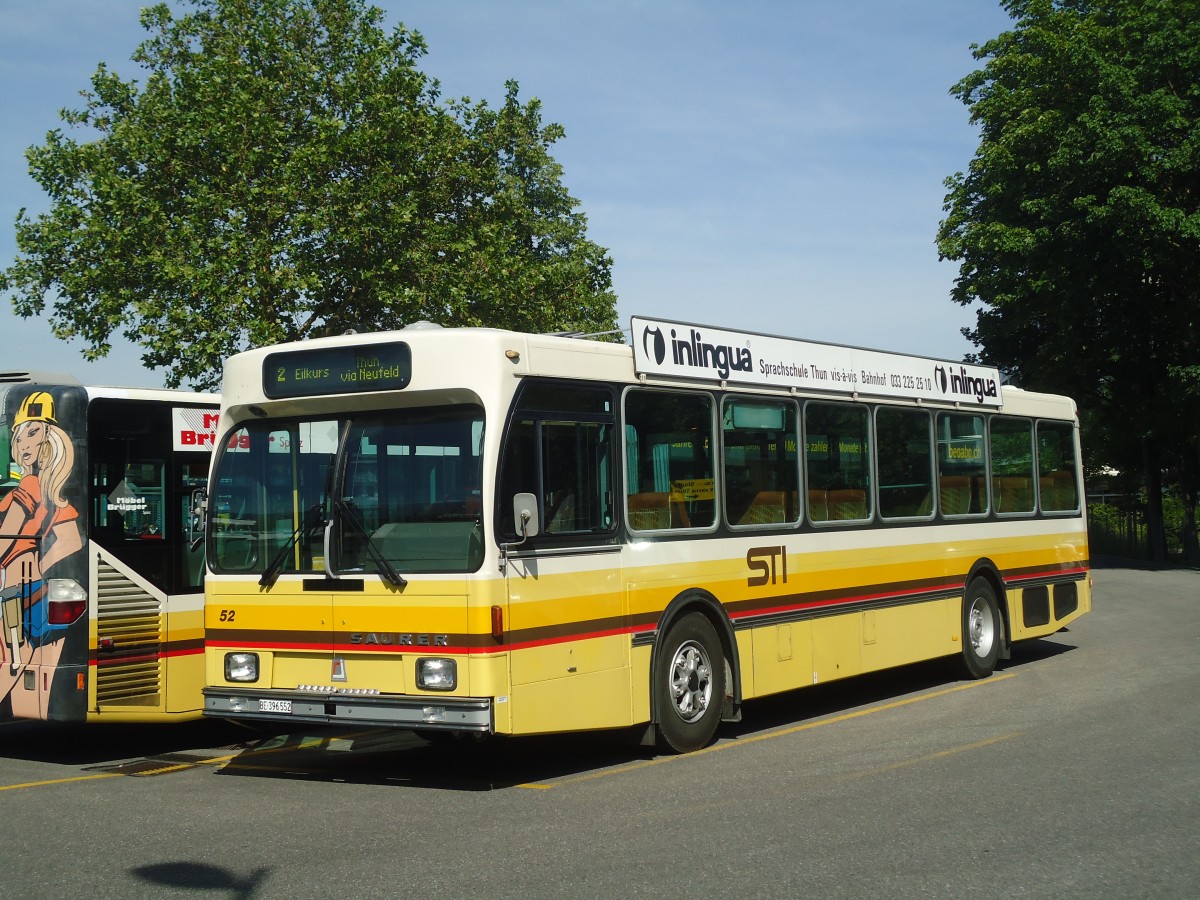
982,630
689,684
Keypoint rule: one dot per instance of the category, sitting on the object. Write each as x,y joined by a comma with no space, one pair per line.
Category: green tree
286,170
1077,224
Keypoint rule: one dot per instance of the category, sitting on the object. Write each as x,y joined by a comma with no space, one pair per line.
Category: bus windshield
385,492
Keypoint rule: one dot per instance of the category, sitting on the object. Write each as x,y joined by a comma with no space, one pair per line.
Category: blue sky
769,165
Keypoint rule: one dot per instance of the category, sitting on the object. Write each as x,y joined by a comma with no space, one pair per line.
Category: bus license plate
276,706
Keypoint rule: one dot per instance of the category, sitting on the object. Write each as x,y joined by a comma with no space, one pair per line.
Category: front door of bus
569,662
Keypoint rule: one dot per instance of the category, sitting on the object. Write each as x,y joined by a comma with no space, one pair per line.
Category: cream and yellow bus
481,531
100,579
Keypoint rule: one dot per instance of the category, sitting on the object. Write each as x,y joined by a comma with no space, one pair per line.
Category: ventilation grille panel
132,619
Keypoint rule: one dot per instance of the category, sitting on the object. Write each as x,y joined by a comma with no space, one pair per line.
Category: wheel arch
699,600
986,569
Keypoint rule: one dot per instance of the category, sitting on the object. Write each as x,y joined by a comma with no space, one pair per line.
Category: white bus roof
431,358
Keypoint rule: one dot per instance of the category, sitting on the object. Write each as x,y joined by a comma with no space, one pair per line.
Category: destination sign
337,370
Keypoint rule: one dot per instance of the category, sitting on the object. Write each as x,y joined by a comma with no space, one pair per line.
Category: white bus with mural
102,590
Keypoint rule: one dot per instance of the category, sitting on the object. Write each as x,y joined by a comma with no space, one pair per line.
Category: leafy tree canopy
1077,224
286,170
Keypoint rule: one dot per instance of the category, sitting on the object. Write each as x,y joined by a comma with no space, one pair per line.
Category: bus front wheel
689,684
981,630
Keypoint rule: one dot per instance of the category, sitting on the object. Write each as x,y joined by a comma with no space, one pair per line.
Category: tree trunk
1156,536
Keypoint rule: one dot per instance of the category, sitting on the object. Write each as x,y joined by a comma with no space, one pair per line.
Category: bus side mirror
525,516
525,524
196,519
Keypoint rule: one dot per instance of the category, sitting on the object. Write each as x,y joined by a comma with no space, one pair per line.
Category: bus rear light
67,601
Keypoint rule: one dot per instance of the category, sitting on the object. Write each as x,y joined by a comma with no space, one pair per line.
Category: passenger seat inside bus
655,510
847,504
765,509
1012,493
1058,490
954,494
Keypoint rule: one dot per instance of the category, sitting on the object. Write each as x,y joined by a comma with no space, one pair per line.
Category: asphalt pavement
1071,772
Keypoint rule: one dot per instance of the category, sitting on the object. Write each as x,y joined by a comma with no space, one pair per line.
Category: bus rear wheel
689,684
981,630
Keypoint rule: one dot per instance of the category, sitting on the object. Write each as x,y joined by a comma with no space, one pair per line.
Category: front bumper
329,706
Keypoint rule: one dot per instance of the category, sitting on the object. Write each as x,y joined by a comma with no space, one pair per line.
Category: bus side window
669,452
760,466
559,447
837,463
904,456
961,464
1057,490
576,464
1011,444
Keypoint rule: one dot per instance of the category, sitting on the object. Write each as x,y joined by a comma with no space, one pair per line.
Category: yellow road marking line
251,754
930,757
206,761
767,735
29,784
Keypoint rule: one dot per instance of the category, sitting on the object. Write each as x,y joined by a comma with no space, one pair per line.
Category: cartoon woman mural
38,529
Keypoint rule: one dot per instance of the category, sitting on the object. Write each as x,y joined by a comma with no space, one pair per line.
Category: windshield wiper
351,515
314,518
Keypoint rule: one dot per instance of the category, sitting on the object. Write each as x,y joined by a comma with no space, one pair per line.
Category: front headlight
241,667
437,674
